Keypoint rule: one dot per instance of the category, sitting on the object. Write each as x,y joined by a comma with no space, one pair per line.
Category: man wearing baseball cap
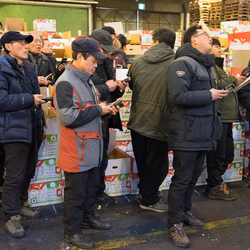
20,118
79,142
110,90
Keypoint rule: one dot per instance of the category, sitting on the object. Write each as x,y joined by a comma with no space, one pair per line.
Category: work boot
104,198
190,220
79,240
91,221
14,227
159,207
221,192
178,236
27,212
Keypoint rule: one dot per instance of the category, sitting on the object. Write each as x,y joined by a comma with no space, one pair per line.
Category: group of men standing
174,107
179,104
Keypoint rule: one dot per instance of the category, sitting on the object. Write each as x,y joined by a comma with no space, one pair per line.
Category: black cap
104,38
15,36
88,45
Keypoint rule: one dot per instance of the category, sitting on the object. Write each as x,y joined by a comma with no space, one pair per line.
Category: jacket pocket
88,144
198,128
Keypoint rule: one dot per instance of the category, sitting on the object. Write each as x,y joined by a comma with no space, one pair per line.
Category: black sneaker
190,220
90,221
177,235
104,198
221,192
79,240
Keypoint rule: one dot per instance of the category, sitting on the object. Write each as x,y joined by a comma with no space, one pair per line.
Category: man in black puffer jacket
194,126
20,124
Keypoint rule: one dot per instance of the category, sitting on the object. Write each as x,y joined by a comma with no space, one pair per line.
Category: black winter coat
45,68
18,115
193,123
244,99
104,72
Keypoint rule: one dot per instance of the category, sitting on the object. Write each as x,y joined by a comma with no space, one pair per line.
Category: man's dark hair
43,40
110,29
84,54
1,25
122,39
192,31
164,35
215,41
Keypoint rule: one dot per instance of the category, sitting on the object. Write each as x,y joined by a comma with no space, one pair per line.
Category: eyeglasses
203,33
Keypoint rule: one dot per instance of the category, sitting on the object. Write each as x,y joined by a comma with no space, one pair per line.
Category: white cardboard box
118,174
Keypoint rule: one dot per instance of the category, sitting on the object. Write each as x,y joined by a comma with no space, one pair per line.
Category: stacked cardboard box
44,24
47,184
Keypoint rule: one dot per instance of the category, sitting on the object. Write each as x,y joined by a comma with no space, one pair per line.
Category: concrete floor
227,226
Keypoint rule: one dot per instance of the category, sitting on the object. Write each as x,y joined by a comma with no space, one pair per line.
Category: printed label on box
123,135
46,171
45,193
125,111
238,132
234,172
238,152
47,149
127,94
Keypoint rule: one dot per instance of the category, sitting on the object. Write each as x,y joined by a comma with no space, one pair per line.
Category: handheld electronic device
49,78
64,60
127,79
117,103
47,99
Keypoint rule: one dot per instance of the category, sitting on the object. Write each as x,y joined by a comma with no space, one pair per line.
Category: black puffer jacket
18,115
193,123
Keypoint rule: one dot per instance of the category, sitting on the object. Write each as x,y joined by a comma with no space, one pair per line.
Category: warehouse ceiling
50,1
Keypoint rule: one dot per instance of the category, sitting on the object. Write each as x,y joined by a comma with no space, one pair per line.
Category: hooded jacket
228,106
148,115
193,117
18,115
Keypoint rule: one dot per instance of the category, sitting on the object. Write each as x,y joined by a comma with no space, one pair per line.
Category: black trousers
2,162
152,163
79,198
188,167
16,158
104,163
20,164
218,160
